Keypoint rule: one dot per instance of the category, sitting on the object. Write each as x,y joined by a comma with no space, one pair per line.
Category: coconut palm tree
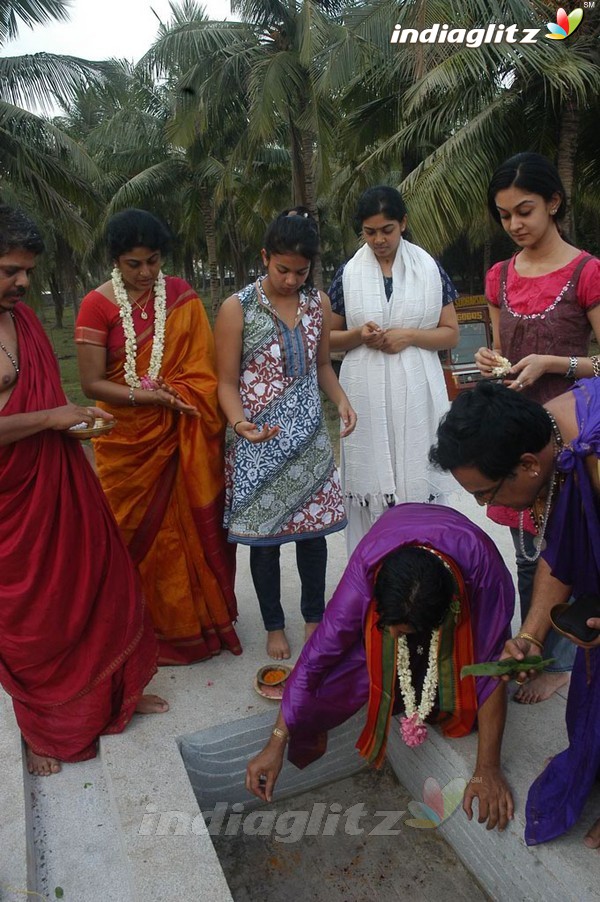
468,108
265,73
40,166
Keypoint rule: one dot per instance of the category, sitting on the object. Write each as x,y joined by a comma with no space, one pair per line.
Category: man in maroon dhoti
76,647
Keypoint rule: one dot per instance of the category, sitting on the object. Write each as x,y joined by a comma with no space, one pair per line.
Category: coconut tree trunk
297,159
210,233
487,257
303,156
565,162
57,299
188,267
309,156
237,252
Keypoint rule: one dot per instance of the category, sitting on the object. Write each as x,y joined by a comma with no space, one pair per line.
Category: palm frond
14,13
35,80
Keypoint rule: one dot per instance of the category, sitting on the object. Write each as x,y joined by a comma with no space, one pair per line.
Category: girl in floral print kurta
282,485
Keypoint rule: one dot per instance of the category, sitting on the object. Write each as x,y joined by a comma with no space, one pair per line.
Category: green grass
63,342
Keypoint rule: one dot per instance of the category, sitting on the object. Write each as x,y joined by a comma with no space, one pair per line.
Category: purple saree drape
330,681
557,797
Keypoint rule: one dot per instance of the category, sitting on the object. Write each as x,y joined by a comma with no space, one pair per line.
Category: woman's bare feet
41,765
309,629
151,704
541,688
592,837
277,645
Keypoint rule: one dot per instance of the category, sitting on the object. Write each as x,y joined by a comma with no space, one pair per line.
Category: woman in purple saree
497,443
340,668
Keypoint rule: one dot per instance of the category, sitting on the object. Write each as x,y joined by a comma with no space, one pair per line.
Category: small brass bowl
99,428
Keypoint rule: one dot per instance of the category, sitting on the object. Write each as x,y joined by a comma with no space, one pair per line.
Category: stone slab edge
141,774
13,828
216,760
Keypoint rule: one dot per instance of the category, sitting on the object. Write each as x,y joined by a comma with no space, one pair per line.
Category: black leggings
311,560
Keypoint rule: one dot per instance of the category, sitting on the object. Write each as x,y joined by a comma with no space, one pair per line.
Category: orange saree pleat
163,475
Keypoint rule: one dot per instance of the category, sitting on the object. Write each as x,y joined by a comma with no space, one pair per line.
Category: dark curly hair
413,587
137,228
17,230
490,427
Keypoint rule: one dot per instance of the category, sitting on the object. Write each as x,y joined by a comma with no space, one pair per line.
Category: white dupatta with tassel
399,398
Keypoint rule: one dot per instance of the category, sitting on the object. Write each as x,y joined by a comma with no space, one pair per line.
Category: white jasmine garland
415,716
158,343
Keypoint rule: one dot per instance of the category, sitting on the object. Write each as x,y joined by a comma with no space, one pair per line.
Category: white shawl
399,398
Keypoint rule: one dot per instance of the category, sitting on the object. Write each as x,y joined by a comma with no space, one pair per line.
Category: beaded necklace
12,359
543,313
539,540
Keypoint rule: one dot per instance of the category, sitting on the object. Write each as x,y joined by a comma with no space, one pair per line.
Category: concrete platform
140,776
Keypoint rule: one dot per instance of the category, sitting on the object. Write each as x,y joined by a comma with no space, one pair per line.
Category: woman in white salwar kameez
393,311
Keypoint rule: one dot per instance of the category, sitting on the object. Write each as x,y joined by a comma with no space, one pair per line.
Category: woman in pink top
544,305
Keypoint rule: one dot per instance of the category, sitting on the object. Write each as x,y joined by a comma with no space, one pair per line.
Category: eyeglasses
486,496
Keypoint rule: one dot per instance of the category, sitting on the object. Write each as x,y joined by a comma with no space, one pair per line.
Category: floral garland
414,731
158,344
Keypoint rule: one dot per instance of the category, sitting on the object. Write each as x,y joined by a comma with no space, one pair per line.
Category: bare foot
592,837
151,704
41,765
542,688
277,645
309,629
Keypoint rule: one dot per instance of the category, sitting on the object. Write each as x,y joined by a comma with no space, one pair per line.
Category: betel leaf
506,667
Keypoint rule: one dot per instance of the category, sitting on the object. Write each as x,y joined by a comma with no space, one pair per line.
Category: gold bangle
530,638
280,734
235,425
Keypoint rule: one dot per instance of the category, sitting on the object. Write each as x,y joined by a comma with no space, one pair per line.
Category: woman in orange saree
146,354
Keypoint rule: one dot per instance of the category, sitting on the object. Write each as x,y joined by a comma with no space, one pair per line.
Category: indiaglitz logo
473,37
565,24
437,805
494,33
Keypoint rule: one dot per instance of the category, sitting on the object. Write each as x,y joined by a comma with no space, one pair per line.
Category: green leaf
59,892
505,667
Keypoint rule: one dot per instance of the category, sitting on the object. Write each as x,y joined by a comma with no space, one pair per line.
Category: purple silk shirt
330,682
557,797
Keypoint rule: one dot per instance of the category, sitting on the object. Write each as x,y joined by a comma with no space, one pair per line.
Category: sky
100,29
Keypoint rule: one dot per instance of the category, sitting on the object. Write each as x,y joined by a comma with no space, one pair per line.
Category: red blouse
534,294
